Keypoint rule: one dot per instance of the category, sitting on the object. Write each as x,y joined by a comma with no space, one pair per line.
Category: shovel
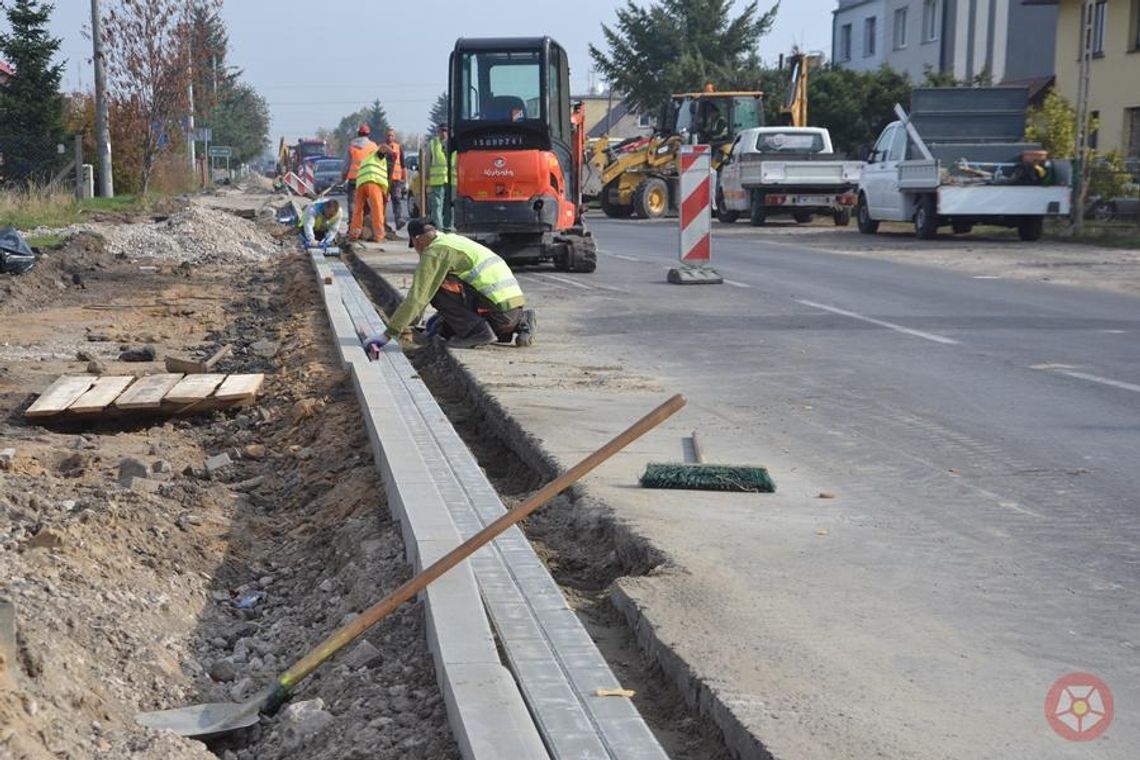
206,720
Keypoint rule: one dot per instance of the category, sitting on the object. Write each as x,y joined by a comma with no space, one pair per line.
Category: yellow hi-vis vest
437,173
373,169
485,272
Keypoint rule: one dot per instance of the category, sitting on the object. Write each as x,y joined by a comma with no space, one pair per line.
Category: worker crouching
476,296
321,217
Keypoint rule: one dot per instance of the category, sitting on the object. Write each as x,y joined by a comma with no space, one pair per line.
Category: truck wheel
1031,227
926,218
842,218
867,225
802,217
757,215
723,214
610,208
651,198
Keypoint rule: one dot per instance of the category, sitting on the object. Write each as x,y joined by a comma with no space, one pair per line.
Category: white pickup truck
785,170
958,160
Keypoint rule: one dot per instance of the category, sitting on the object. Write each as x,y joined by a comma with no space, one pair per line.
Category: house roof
6,69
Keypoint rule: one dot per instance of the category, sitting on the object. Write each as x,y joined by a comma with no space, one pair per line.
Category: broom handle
698,450
377,612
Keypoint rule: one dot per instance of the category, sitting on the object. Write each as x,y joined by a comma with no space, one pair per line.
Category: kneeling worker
478,299
320,218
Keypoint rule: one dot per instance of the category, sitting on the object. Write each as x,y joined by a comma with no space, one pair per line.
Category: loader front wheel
651,198
610,206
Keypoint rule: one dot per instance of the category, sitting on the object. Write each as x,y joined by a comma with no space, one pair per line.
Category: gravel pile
196,235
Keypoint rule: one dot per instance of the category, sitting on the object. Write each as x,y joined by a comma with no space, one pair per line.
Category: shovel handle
377,612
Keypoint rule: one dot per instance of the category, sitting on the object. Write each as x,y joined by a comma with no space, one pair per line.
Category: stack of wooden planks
166,394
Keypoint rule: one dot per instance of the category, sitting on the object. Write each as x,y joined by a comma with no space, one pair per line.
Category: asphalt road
982,440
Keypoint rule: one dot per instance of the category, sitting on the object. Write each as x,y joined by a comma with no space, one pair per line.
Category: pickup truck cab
785,170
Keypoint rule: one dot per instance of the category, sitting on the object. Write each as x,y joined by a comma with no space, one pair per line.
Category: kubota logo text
1079,707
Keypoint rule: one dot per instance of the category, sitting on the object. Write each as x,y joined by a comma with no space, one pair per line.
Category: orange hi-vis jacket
395,162
358,150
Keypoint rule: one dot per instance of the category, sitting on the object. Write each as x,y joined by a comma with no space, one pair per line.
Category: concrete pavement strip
557,666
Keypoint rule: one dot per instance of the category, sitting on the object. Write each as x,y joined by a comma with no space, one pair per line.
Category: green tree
855,105
438,113
933,78
677,45
241,120
31,105
1054,125
377,120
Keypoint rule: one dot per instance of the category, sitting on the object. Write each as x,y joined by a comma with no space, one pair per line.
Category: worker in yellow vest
360,147
477,299
397,179
371,186
439,197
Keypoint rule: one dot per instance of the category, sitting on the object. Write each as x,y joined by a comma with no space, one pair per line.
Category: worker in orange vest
358,150
397,179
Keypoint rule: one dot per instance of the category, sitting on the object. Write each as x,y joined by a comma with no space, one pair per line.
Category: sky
317,61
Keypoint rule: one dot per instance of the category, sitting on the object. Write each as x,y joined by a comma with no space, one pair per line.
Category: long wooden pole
377,612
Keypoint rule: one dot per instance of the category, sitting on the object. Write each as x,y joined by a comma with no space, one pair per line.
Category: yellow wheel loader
639,176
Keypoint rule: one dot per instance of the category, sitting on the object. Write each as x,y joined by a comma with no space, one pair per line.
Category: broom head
708,477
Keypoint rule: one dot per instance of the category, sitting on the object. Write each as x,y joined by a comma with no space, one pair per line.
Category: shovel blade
201,721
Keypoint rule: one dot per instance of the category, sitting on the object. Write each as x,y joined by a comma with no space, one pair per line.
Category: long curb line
631,548
485,709
552,656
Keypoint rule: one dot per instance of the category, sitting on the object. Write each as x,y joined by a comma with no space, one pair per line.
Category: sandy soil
206,588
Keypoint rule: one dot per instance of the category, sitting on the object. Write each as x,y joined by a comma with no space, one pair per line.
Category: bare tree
150,64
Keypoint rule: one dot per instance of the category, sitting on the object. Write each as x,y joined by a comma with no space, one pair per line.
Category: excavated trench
585,548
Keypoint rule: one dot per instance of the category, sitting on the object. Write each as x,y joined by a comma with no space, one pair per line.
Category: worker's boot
525,331
480,337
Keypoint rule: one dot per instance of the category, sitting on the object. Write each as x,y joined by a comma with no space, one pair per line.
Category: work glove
373,345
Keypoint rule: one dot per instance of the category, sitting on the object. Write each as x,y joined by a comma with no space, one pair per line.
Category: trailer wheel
867,225
842,217
1030,228
723,214
926,218
651,198
757,215
611,209
802,217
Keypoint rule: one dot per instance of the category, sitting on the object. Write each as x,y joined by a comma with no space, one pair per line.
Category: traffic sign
202,134
220,151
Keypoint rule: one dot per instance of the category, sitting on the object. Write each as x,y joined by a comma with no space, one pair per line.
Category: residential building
605,115
1114,76
1008,39
857,40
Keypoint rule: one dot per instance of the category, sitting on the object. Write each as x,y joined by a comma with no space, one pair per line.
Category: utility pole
190,119
102,130
1083,169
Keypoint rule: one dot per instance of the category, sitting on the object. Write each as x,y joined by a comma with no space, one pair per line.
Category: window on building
1136,24
645,120
845,42
1132,124
1100,14
1094,133
869,33
900,28
930,20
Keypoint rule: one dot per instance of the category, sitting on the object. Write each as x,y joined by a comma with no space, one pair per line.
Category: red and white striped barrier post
696,218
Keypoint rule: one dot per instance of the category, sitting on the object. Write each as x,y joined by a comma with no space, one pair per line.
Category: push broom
701,476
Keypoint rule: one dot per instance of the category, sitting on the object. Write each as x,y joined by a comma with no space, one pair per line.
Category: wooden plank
220,354
60,395
239,386
147,392
102,393
193,388
184,366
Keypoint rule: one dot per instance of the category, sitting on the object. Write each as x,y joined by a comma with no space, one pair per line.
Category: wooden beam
60,395
147,392
193,388
102,393
239,387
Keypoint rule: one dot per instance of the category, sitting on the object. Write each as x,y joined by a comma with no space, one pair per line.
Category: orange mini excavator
519,147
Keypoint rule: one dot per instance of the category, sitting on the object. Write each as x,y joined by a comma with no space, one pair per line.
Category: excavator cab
518,146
